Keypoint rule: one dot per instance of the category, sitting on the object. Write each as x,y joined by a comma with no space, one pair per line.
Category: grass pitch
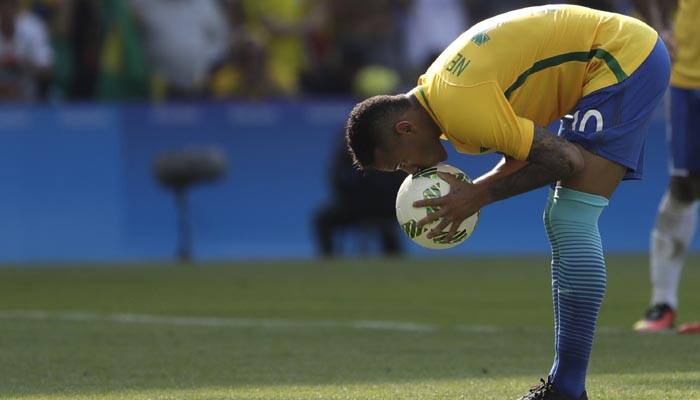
398,329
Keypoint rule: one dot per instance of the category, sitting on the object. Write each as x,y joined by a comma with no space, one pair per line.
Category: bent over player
494,89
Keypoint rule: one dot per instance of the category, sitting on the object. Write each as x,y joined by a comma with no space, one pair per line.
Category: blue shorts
612,122
685,131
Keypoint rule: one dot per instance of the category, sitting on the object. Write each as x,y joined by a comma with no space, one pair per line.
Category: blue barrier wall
78,184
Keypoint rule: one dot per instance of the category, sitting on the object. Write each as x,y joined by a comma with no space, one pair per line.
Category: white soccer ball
426,184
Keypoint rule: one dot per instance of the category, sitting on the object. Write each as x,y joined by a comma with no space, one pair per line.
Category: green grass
290,331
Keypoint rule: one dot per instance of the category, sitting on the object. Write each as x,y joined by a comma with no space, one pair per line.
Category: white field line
85,316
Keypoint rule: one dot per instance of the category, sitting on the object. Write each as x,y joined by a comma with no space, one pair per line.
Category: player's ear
404,127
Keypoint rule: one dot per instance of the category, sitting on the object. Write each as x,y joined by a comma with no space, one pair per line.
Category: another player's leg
676,221
675,226
693,327
694,179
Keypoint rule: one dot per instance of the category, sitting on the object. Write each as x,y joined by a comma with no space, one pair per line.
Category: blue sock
555,270
578,283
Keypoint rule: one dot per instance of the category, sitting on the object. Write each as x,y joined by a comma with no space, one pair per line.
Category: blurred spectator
605,5
264,52
123,71
480,9
362,204
431,25
242,72
77,47
183,39
281,26
25,53
350,38
126,49
98,51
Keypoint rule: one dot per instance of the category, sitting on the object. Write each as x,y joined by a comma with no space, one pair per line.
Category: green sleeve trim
427,103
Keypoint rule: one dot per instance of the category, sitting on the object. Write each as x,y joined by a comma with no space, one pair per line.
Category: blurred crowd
62,50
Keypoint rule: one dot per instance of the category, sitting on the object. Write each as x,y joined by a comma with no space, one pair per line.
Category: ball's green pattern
411,229
440,237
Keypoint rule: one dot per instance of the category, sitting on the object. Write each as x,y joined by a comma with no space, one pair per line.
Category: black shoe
545,391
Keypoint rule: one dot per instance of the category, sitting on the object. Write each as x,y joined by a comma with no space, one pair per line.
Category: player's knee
681,188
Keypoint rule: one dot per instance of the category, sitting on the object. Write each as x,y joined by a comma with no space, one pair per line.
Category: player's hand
463,201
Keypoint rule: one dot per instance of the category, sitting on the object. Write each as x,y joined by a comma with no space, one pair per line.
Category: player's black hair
366,123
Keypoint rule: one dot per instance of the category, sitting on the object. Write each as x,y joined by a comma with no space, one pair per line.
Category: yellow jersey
686,65
489,88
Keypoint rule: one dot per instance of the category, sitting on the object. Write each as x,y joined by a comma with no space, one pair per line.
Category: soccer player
494,89
675,223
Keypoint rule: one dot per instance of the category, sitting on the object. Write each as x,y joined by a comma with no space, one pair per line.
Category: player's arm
551,159
491,123
505,167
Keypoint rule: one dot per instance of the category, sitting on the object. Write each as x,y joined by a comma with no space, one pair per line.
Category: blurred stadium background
96,96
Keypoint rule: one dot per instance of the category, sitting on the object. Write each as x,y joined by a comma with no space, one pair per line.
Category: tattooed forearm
530,177
551,159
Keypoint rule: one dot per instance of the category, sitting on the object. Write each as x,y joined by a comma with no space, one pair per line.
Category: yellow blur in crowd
272,40
686,66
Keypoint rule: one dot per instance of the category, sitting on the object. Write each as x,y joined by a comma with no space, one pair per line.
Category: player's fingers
439,228
429,202
430,218
453,230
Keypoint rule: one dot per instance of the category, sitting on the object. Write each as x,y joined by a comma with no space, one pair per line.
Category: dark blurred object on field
361,204
179,171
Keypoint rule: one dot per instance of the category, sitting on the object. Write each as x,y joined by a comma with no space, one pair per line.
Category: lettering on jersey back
458,65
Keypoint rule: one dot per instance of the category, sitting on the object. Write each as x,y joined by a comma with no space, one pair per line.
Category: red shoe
692,327
658,318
